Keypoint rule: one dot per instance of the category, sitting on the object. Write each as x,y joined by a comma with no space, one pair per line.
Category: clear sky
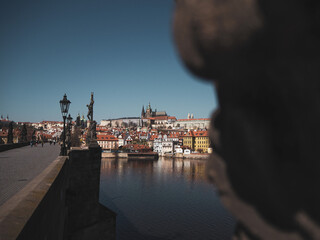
123,51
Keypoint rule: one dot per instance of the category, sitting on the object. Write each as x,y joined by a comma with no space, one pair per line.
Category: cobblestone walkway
19,166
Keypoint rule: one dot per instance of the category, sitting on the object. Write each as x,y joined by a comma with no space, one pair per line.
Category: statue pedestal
93,143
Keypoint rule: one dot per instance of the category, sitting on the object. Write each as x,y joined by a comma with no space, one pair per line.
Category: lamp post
64,105
69,121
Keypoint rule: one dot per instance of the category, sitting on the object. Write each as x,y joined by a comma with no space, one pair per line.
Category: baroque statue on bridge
91,134
90,108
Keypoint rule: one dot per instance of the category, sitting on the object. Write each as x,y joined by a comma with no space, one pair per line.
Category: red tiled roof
197,134
136,147
52,122
101,129
153,137
188,134
161,118
201,134
104,137
173,135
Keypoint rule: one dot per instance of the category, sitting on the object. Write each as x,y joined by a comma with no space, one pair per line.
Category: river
163,199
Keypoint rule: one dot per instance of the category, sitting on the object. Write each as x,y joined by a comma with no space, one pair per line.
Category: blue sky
123,51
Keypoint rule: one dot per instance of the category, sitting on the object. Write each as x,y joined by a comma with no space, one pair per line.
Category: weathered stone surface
62,202
38,210
264,59
87,219
5,147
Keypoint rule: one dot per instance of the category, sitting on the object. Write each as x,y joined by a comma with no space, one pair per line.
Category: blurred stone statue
92,134
33,136
78,121
10,133
264,59
23,134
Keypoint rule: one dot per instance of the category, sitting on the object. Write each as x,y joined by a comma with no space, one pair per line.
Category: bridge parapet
5,147
60,203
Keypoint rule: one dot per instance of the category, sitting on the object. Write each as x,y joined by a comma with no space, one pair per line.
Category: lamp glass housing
64,105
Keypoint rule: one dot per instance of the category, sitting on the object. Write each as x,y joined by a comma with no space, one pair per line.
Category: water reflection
164,199
192,170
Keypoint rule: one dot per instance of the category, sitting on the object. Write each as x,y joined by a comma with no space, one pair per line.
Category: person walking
31,143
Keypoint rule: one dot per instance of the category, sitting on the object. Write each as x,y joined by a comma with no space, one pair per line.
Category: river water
163,199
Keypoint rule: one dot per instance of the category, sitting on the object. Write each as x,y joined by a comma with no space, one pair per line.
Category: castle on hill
158,120
150,114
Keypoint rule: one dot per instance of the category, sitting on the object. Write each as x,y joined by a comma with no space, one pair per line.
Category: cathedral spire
148,111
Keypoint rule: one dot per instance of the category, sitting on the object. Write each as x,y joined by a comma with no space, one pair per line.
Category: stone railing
60,203
5,147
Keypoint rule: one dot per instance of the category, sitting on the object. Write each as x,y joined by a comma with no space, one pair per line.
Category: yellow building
188,140
201,141
197,140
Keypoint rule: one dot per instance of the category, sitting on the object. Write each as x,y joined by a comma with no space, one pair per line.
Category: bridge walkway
20,165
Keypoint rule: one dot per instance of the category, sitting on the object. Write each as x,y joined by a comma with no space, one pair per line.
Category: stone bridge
44,196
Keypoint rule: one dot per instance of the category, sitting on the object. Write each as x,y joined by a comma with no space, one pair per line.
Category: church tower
149,111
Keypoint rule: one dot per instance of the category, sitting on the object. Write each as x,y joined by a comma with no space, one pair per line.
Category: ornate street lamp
69,121
64,105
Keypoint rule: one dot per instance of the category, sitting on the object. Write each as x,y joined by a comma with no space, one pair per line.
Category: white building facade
163,145
198,123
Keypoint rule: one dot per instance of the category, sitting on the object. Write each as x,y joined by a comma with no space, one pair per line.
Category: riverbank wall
203,156
114,155
151,155
61,203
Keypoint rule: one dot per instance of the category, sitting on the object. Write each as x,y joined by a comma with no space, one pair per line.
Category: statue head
264,58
